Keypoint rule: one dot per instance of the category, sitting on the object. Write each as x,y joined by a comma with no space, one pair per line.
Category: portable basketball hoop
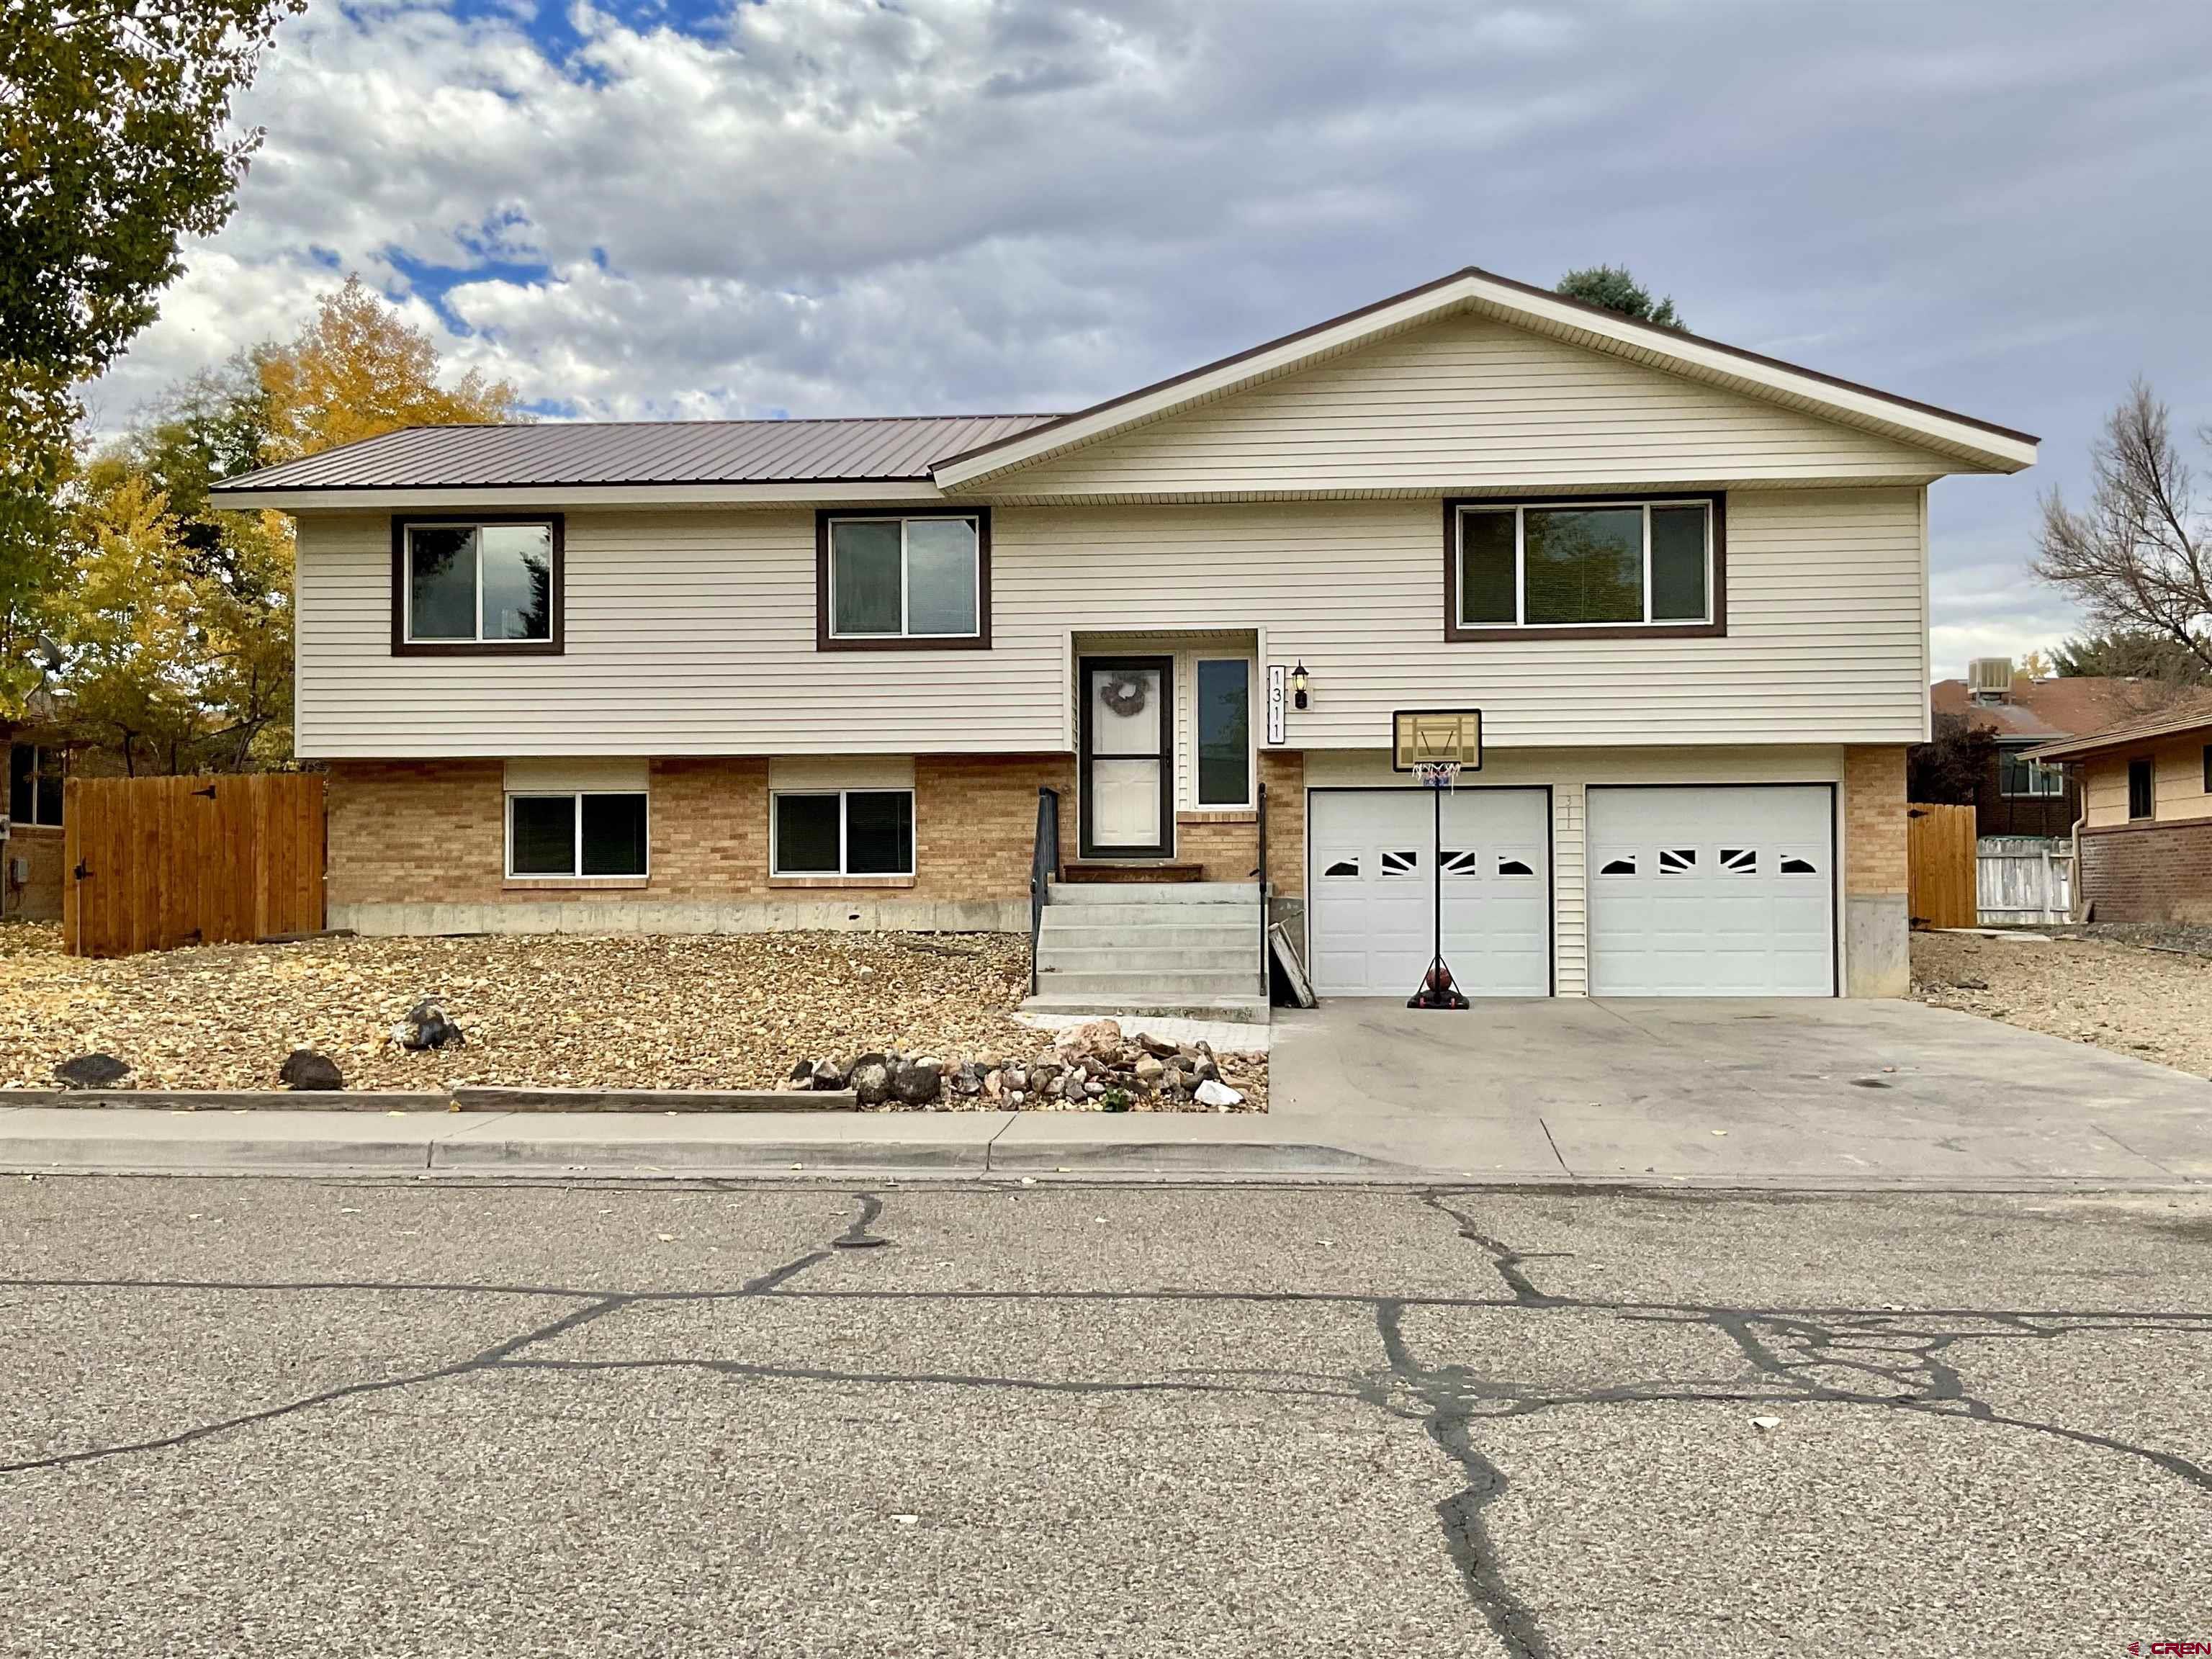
1434,744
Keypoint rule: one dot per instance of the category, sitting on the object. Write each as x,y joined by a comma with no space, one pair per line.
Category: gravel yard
2154,1003
728,1012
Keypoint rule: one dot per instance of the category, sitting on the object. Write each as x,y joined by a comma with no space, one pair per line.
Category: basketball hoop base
1436,990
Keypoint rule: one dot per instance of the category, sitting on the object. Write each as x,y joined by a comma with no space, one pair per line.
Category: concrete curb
503,1099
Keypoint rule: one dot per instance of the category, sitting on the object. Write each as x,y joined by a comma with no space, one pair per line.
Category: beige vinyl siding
1569,773
2177,785
692,632
1464,406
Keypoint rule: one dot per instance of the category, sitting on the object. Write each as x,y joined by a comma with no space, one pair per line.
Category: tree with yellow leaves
176,626
359,371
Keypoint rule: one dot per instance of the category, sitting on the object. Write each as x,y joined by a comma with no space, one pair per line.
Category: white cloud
838,206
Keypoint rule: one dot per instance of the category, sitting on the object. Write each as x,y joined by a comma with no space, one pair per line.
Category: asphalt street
272,1416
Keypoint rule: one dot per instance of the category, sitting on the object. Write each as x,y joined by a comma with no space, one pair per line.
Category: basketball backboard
1419,735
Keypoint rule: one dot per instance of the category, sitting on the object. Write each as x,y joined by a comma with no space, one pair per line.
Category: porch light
1298,685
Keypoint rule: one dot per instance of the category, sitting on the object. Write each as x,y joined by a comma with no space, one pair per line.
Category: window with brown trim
1614,567
915,580
488,585
2143,801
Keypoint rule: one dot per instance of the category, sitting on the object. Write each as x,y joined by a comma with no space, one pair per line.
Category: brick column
1877,912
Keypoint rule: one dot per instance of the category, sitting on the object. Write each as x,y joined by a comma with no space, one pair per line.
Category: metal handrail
1262,872
1044,868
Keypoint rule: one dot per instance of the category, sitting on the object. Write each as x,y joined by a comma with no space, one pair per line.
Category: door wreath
1125,694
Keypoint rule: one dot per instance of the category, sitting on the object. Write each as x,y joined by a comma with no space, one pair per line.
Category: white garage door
1370,909
1712,891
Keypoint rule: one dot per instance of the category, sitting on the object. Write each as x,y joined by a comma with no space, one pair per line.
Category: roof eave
398,498
1980,445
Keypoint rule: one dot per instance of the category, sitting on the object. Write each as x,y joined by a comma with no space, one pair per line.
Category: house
30,828
2146,843
2017,796
736,675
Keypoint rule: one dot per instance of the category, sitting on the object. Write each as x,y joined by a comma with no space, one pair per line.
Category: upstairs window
34,784
476,586
2141,800
1582,565
917,581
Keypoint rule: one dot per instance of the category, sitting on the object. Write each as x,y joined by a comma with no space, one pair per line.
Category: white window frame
842,872
2046,779
1520,510
1251,736
974,524
478,526
575,870
39,753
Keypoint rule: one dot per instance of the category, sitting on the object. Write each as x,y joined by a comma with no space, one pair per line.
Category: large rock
871,1079
303,1069
1150,1070
1161,1048
426,1027
92,1072
828,1073
916,1082
1215,1093
1101,1037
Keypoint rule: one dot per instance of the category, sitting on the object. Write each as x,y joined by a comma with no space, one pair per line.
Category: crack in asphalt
1889,1358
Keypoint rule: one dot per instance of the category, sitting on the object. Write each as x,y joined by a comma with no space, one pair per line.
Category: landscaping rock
1158,1048
1150,1070
871,1079
1213,1093
1101,1037
828,1073
967,1079
916,1082
1206,1070
303,1069
91,1071
426,1027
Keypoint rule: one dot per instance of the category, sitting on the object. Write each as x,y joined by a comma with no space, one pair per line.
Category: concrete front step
1118,894
1055,958
1181,985
1236,1009
1151,936
1244,917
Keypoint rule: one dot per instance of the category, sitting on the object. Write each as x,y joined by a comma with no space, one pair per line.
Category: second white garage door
1712,891
1370,905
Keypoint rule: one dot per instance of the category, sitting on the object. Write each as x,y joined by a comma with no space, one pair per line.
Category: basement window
583,835
843,832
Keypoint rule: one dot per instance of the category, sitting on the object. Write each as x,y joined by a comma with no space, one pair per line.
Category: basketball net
1437,774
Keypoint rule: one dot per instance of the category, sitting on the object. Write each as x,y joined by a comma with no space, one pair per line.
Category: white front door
1127,786
1712,890
1372,895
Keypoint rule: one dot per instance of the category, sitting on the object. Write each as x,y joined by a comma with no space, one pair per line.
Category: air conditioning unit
1989,679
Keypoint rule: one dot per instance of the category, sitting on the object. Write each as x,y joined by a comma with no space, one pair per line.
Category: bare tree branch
2140,558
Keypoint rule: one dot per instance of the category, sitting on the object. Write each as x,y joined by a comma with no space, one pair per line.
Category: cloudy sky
825,207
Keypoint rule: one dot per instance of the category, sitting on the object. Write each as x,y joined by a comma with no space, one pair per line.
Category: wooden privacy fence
2024,878
153,863
1940,866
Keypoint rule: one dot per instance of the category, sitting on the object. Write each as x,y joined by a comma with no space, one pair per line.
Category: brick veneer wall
2149,872
1874,825
39,898
413,832
1284,772
1227,847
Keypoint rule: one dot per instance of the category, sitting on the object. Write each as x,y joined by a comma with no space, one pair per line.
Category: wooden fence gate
153,863
1940,866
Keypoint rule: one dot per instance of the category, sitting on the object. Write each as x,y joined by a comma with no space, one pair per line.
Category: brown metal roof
640,452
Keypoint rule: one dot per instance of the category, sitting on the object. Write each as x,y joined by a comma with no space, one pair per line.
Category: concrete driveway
1790,1091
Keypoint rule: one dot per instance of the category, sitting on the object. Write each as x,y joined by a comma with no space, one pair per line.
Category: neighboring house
31,853
2018,796
2146,845
815,673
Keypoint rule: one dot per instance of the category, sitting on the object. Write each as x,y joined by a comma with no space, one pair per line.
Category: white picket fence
2023,878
